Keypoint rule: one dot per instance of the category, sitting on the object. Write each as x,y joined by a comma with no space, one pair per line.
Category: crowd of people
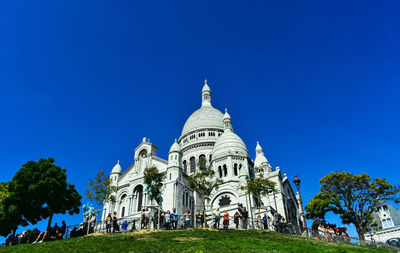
35,236
331,233
170,220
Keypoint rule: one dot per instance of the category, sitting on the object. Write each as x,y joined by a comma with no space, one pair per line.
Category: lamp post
297,181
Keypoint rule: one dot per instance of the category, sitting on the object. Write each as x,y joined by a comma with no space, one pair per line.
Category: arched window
389,222
143,153
235,169
192,164
123,208
220,171
138,194
185,167
183,202
384,224
225,170
240,166
202,159
210,158
187,199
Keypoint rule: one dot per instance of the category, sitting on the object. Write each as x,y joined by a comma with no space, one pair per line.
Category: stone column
130,205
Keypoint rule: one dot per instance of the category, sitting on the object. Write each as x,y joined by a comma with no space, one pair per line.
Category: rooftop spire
206,94
227,121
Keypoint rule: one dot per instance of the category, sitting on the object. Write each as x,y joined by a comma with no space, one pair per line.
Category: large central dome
207,117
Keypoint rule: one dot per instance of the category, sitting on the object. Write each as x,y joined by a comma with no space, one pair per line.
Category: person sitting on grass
46,236
63,228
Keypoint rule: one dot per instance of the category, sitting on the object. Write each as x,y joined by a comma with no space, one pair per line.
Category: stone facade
388,218
207,134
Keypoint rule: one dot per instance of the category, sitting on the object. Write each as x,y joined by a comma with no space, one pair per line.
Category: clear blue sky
316,82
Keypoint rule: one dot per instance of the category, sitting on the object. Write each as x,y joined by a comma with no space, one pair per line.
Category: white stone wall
383,236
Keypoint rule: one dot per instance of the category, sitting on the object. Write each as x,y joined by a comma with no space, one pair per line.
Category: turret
174,156
227,121
206,95
174,171
115,174
261,161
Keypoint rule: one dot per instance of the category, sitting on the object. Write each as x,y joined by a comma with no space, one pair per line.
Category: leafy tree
40,189
100,189
203,182
154,180
259,187
10,215
353,197
4,192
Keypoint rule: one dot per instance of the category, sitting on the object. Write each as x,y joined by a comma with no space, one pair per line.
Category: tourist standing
258,221
198,219
276,223
115,222
186,219
236,218
174,218
245,217
225,221
147,218
217,217
167,219
202,218
265,221
155,220
143,219
108,223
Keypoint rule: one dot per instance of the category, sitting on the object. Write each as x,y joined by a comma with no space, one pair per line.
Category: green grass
194,240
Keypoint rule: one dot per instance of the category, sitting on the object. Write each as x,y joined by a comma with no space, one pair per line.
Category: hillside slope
193,240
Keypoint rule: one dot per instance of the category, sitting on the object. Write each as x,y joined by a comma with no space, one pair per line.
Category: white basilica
207,134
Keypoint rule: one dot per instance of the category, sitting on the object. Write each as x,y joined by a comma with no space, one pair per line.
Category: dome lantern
227,121
206,95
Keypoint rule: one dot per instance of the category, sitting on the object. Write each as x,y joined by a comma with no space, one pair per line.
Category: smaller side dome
175,147
229,144
117,168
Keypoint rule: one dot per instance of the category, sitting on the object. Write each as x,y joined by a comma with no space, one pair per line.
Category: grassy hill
193,240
